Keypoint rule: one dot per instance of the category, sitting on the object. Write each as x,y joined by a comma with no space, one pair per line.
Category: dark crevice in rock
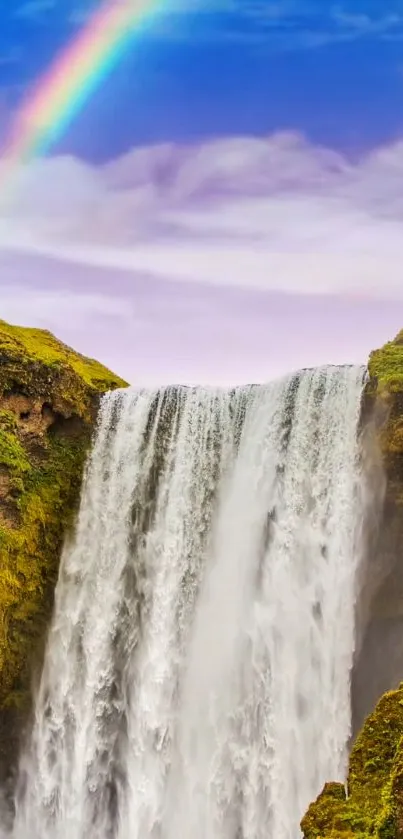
62,426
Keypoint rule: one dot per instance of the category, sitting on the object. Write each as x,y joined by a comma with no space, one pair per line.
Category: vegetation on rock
386,366
373,803
48,401
35,363
385,389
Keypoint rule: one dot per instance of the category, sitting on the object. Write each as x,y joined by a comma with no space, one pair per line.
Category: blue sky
229,205
331,70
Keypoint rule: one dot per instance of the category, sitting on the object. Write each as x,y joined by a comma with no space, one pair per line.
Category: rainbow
75,74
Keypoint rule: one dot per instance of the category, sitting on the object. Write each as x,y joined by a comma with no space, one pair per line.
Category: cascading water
196,683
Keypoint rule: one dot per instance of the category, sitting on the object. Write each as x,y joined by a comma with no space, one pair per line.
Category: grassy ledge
385,366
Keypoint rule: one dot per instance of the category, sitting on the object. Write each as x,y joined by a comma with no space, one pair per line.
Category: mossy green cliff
383,404
371,805
49,396
385,390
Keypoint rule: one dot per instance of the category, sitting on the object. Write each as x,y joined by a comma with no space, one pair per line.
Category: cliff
49,396
372,803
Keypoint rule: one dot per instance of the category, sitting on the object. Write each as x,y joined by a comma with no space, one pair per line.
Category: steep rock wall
372,803
379,665
48,402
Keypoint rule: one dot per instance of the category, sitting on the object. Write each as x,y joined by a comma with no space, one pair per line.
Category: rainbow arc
60,94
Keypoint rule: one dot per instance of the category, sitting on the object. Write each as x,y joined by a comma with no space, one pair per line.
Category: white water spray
197,676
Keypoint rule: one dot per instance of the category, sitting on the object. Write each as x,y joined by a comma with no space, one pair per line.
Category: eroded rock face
32,416
374,804
379,665
48,402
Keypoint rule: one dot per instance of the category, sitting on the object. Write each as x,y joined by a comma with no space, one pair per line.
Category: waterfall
196,682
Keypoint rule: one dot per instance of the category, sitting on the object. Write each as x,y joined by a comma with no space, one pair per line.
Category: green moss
375,781
374,805
384,392
35,361
30,555
41,468
12,454
386,366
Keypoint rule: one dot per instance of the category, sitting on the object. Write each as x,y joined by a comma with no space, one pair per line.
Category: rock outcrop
48,403
379,666
371,805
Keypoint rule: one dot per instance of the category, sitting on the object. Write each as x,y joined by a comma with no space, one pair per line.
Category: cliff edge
371,804
49,396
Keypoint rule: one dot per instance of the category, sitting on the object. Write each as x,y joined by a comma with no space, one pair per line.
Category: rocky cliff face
48,403
372,806
379,665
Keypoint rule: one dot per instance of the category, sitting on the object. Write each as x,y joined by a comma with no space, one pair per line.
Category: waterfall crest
196,681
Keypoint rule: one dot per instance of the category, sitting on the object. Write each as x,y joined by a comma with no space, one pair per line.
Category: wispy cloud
279,30
275,25
312,23
34,10
195,260
367,24
273,214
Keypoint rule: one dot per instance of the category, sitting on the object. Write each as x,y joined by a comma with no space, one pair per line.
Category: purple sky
229,206
226,262
154,332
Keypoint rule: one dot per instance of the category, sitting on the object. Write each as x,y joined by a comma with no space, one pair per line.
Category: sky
227,206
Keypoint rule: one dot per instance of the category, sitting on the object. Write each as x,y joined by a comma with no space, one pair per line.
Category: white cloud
364,23
271,214
272,242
